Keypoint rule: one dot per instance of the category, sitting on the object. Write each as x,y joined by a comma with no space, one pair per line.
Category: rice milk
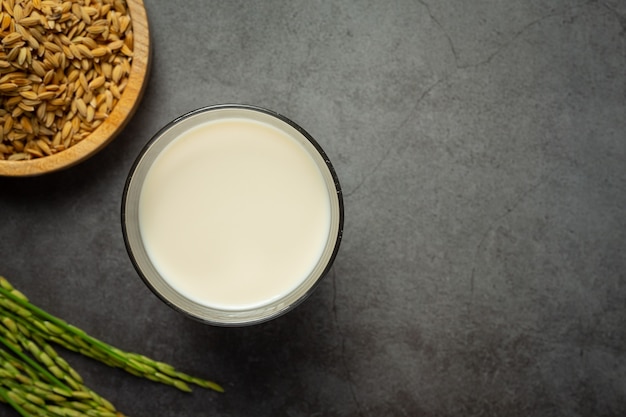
234,213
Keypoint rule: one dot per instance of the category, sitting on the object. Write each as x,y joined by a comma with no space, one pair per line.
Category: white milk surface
234,214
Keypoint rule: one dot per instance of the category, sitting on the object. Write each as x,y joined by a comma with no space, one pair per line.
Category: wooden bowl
113,124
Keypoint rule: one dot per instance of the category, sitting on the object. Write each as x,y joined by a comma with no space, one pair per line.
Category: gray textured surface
482,150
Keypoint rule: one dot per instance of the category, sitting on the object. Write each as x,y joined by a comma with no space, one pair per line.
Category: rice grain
63,68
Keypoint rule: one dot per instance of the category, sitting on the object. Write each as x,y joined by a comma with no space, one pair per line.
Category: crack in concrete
403,123
342,337
508,43
516,35
443,30
459,66
517,201
369,174
620,18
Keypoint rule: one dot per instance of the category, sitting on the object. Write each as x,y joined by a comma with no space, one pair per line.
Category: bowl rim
339,224
116,121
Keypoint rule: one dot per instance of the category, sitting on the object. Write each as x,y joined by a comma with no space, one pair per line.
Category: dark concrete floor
482,151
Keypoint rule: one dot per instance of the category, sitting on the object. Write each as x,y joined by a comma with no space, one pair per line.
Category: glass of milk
232,214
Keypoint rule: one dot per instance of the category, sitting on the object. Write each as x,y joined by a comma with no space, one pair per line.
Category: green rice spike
32,364
68,328
10,324
5,284
52,389
4,394
36,411
14,367
8,333
10,305
55,330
